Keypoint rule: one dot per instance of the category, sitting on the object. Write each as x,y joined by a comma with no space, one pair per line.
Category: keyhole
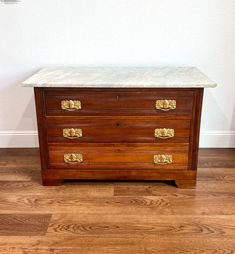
117,124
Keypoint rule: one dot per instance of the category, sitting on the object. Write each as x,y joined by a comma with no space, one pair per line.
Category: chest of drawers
117,133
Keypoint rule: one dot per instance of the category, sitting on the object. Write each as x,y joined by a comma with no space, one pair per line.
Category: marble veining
180,77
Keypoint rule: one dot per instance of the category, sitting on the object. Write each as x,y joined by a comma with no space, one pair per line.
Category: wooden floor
116,217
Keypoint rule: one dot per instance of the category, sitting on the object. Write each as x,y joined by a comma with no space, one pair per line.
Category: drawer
116,129
85,102
117,156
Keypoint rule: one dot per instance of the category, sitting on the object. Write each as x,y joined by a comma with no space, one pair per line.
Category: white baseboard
18,139
220,139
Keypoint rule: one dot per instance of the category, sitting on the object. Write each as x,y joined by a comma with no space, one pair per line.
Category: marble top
182,77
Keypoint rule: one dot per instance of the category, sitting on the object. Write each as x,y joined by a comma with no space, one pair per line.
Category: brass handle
71,105
72,133
162,159
164,133
165,105
73,158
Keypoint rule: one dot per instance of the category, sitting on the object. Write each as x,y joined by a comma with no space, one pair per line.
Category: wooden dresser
119,123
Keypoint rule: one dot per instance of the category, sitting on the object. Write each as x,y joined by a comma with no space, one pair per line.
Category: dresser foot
51,182
186,184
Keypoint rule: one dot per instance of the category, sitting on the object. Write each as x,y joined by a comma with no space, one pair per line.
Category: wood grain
164,226
217,158
118,217
116,245
24,224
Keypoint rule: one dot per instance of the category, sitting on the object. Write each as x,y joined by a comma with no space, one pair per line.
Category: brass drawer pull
164,133
73,158
165,105
72,133
162,159
71,105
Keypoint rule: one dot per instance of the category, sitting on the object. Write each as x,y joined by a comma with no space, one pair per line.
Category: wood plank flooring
116,217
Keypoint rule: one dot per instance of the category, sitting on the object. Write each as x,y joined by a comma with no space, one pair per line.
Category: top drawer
85,102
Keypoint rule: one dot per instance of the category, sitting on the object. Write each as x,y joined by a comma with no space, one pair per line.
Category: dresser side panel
40,110
195,129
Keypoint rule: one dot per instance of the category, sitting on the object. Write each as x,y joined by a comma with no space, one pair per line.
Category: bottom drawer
119,156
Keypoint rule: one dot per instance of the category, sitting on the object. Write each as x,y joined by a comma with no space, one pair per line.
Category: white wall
39,33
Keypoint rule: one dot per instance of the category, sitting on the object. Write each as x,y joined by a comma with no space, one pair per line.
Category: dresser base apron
183,179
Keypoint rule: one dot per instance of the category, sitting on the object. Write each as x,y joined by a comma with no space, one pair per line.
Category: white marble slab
181,77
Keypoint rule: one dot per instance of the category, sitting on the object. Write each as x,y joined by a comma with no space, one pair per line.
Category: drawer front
117,129
82,102
119,157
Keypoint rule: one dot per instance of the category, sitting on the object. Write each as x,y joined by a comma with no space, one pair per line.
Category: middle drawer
116,129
